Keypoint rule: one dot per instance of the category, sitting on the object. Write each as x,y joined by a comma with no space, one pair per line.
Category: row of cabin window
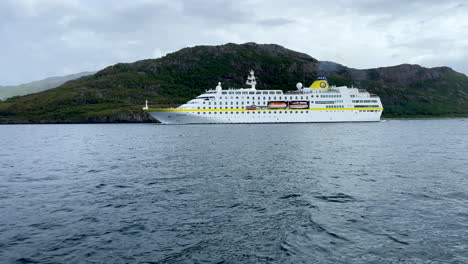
232,107
364,101
237,107
274,112
357,95
366,106
330,95
334,106
370,110
237,103
286,97
263,103
248,112
252,92
272,92
264,98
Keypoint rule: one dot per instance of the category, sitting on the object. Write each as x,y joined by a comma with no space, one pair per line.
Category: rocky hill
117,93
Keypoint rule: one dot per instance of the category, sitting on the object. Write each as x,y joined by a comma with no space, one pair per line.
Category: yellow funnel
320,83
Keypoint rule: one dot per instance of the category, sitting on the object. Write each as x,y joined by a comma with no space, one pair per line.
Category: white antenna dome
299,85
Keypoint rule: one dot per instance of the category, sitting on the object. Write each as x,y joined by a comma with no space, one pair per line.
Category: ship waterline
317,103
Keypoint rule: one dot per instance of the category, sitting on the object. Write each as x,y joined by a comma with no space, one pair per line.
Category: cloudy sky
42,38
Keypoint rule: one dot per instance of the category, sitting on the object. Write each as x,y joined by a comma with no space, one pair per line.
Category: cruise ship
318,103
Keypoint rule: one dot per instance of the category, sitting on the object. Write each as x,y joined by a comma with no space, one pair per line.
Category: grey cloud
397,8
276,21
221,11
48,37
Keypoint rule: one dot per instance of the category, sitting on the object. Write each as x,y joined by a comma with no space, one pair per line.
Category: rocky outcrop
404,74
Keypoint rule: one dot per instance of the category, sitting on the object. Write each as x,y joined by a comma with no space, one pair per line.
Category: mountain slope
117,93
38,86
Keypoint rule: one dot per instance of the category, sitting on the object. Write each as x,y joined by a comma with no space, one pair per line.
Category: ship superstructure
317,103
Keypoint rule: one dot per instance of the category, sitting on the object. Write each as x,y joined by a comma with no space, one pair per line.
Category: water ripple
305,193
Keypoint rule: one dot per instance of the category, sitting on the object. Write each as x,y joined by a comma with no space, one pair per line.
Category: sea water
385,192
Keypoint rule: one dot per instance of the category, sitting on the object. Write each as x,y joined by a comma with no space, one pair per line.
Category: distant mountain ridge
117,93
38,86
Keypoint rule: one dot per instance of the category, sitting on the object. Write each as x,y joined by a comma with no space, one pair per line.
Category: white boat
299,105
324,104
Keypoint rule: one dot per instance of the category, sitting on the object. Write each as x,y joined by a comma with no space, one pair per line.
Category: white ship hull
263,116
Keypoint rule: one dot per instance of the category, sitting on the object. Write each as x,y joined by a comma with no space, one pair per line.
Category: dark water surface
388,192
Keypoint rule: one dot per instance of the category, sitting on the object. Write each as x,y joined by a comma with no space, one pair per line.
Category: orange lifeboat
277,105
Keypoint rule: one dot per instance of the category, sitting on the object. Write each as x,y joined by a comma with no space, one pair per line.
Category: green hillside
117,93
38,86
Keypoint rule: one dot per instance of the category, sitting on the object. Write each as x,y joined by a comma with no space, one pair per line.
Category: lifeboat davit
277,105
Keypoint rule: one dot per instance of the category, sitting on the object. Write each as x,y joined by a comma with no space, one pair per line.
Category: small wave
321,229
394,239
287,196
185,253
132,229
99,186
337,198
457,195
25,261
401,176
302,203
89,219
334,235
43,226
286,247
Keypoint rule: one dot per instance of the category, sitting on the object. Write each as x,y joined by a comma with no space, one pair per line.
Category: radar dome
219,88
299,85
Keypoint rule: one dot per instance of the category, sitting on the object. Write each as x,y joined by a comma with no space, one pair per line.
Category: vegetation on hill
117,93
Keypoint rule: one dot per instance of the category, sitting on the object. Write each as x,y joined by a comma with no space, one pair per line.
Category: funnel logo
323,84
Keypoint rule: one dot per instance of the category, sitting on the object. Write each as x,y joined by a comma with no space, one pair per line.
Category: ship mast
251,80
